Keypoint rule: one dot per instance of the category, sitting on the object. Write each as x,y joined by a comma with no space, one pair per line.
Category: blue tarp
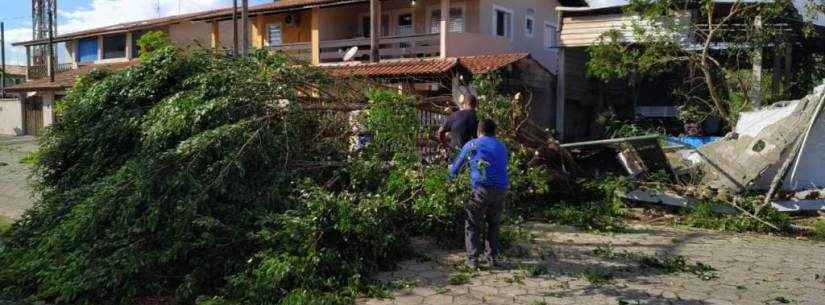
692,142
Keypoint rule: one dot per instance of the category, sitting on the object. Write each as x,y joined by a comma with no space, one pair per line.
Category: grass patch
598,276
5,224
663,262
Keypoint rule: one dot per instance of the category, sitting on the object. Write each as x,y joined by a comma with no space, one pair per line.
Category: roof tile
67,79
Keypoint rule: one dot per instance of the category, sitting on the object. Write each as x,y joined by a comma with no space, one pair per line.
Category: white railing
407,46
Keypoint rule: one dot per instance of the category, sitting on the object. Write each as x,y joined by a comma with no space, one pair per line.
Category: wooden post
260,32
445,18
235,28
375,30
2,60
756,75
788,66
316,35
28,62
776,79
560,98
216,34
245,26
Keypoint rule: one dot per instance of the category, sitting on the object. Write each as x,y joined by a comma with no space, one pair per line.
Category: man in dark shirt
461,125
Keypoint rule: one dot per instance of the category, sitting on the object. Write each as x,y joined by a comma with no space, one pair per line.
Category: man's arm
459,161
442,135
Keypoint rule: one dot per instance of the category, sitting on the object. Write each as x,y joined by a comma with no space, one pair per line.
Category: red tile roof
421,67
485,63
67,79
394,68
15,70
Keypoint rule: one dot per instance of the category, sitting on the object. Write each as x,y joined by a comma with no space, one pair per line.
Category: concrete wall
195,33
544,11
11,117
48,107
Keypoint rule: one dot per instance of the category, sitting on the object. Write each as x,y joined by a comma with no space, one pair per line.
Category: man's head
468,101
487,128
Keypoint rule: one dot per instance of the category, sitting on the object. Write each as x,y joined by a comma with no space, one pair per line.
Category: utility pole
235,28
2,60
245,30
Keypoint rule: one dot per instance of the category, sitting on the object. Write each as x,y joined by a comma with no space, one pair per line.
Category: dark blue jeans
483,212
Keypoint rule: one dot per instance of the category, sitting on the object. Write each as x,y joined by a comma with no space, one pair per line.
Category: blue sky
74,15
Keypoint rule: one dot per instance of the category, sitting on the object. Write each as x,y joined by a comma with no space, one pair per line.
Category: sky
74,15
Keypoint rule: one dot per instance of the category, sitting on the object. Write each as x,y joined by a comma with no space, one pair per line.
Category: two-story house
399,42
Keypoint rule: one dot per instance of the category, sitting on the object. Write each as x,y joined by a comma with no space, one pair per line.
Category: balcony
41,71
391,47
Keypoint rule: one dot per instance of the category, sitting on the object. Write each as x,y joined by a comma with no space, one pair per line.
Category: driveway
592,269
15,193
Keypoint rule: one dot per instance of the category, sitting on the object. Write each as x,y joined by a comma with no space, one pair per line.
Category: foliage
656,45
5,225
662,261
153,41
703,215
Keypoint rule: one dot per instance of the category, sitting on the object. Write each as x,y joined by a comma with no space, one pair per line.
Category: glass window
405,25
366,25
503,23
275,34
549,35
456,24
87,49
529,26
114,46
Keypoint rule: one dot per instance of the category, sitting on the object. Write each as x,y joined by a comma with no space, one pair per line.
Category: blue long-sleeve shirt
488,162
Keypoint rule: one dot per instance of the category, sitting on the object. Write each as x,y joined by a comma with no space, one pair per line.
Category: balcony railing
408,46
41,71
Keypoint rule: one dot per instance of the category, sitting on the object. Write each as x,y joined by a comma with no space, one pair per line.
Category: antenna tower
44,27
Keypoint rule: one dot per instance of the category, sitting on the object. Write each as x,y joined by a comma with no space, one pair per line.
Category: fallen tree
194,177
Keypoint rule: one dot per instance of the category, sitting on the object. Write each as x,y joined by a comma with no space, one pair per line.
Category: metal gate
33,116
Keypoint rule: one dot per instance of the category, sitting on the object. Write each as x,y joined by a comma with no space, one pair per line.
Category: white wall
11,117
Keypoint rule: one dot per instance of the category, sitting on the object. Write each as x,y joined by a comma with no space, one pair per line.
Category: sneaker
472,264
494,262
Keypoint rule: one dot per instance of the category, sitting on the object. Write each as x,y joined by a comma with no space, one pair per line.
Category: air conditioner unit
292,20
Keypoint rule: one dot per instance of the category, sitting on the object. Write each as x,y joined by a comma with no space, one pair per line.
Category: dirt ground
15,195
747,269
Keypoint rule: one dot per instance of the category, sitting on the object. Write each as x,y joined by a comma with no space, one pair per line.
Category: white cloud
16,55
107,12
99,13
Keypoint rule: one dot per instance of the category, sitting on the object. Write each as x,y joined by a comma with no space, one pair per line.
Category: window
456,23
365,25
529,26
114,46
405,24
87,49
135,45
275,34
502,22
549,35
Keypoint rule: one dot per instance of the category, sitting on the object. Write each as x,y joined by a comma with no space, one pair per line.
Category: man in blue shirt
488,159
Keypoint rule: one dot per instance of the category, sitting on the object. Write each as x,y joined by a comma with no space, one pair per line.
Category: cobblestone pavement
15,195
749,269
